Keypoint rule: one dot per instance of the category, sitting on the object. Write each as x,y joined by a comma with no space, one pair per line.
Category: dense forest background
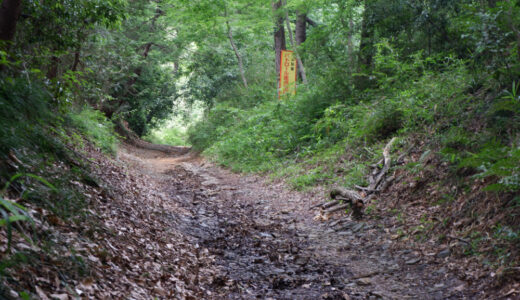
441,75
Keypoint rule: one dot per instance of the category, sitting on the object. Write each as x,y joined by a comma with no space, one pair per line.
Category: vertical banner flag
288,67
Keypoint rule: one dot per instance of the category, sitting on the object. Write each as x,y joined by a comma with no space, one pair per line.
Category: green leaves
12,212
501,162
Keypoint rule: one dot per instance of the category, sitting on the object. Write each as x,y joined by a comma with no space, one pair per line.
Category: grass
93,125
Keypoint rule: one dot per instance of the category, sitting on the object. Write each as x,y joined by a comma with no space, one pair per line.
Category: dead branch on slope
378,182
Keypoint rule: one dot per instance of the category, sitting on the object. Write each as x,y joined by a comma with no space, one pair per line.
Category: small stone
444,253
364,281
413,261
379,294
394,268
358,227
266,235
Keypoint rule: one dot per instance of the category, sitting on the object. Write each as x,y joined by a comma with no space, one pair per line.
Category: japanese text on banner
288,71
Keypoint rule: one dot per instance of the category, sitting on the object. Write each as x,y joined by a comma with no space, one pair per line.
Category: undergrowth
41,161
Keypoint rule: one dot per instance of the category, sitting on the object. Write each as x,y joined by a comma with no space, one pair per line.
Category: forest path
266,244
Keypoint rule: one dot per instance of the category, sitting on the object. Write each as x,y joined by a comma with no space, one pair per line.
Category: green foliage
94,126
496,160
309,178
385,120
170,136
13,212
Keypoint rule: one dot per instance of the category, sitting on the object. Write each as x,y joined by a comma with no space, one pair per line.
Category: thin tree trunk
77,55
301,29
9,13
77,51
300,64
366,51
350,35
350,44
279,35
512,26
301,33
366,47
239,58
52,72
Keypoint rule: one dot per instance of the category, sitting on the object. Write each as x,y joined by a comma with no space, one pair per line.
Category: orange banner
288,71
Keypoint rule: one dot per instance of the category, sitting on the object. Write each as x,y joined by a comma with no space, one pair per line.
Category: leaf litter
163,227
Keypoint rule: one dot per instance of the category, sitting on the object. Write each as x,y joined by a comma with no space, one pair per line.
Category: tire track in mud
266,245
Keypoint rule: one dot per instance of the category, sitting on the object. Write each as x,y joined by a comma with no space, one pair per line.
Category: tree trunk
9,14
239,58
298,59
301,29
52,72
350,45
301,34
366,47
77,55
279,35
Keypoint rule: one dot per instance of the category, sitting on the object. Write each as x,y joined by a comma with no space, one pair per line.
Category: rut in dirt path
266,245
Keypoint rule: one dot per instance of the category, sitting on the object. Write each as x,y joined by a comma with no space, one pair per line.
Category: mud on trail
263,243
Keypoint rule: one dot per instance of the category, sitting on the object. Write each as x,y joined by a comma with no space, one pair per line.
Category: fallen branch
377,183
352,197
387,163
362,188
329,204
385,184
338,221
336,208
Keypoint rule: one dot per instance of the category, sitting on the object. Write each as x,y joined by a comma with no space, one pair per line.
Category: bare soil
265,243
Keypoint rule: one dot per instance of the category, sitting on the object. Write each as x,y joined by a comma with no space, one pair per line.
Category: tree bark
301,29
366,47
310,22
77,56
300,64
301,33
350,44
9,13
52,72
279,35
235,49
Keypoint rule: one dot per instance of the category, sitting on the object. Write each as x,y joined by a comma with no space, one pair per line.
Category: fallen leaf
41,293
60,296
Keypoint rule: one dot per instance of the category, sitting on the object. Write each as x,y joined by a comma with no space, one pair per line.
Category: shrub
95,126
385,120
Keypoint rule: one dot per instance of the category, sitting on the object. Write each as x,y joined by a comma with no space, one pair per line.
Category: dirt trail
267,246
